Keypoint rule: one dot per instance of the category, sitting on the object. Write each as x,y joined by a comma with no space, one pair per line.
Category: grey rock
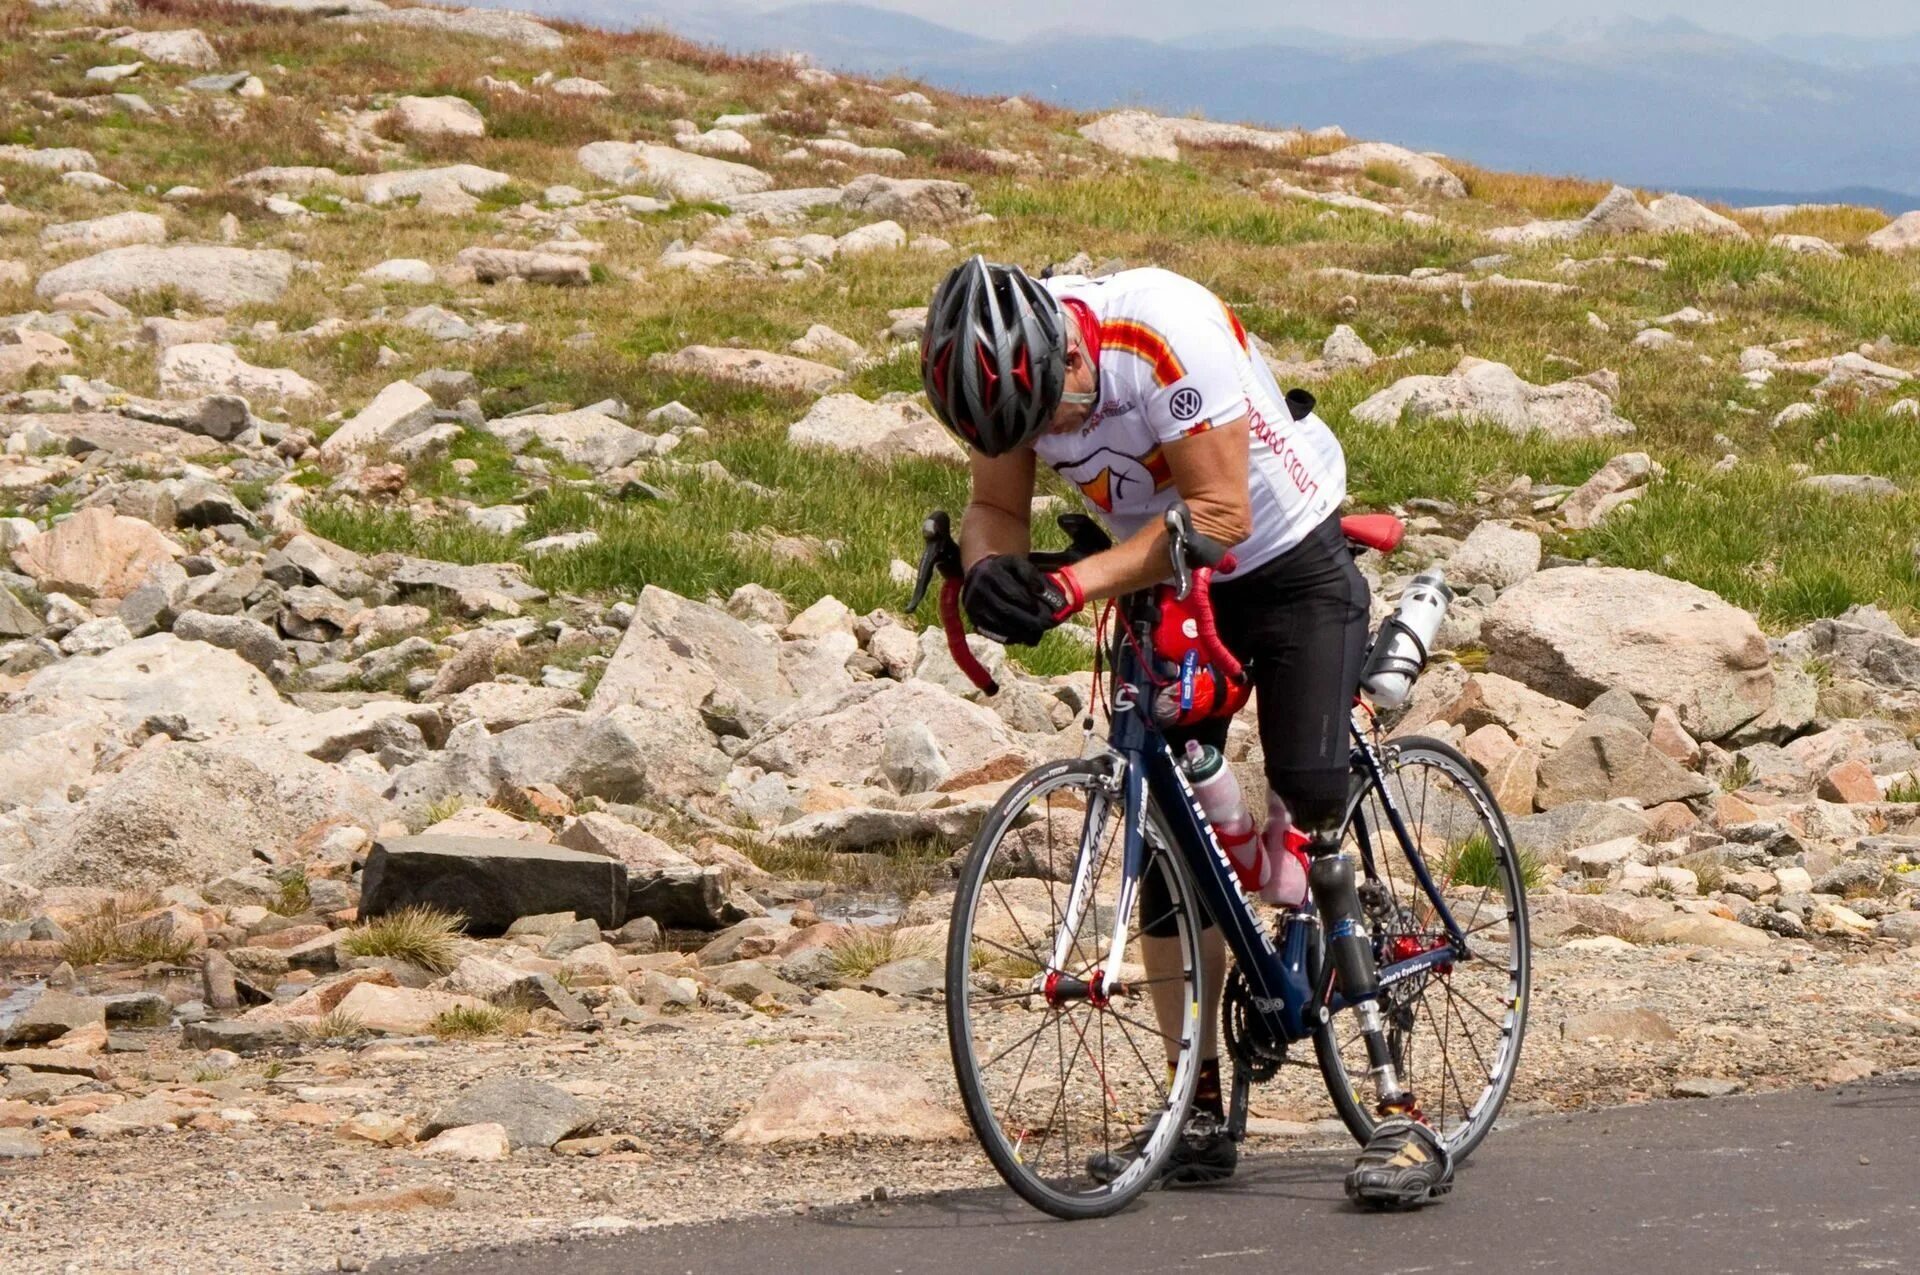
1575,825
534,1114
242,1036
52,1015
491,882
679,898
251,640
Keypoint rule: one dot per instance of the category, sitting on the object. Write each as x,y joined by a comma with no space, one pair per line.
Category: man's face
1082,378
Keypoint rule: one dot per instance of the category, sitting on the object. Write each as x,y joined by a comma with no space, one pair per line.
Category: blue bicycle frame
1289,987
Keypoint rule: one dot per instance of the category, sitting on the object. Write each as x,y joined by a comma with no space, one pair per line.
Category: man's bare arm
1210,472
999,517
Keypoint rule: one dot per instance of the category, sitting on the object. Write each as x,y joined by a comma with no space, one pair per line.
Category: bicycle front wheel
1076,1095
1455,1030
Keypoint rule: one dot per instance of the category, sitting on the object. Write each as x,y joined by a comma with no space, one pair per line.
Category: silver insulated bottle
1401,647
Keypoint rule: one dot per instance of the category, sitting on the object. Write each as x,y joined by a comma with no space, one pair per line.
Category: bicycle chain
1251,1045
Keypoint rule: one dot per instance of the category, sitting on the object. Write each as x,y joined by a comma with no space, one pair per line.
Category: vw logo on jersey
1185,404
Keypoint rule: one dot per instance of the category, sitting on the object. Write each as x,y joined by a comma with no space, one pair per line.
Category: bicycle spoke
1105,1076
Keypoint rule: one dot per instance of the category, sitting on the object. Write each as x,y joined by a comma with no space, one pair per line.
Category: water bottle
1400,648
1286,850
1219,794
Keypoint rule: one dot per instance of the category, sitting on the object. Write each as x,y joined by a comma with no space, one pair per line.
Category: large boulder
96,553
410,183
845,737
397,413
1419,171
1479,390
1685,215
217,278
1495,554
481,24
496,265
876,431
187,690
1902,234
1606,758
1864,645
189,813
675,174
908,198
45,755
1575,632
196,368
828,1098
432,118
1134,134
583,437
533,1113
755,369
491,883
680,651
115,230
188,47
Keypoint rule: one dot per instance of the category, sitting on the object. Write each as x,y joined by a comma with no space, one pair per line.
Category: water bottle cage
1381,659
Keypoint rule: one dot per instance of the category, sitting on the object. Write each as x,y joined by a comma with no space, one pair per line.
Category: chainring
1252,1046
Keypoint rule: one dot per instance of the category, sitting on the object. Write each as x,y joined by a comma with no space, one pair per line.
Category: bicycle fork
1331,879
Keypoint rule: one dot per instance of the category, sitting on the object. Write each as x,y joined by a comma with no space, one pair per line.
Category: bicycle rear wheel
1057,1081
1454,1031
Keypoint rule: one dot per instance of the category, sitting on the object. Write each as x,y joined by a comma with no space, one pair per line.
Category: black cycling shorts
1299,624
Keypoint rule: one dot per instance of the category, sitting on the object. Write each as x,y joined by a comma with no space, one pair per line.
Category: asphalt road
1792,1183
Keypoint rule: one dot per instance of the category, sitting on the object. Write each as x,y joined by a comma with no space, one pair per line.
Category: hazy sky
1492,20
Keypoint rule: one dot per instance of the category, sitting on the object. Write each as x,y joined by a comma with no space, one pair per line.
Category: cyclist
1141,388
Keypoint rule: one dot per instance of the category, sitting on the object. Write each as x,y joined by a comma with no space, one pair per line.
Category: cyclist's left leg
1206,1154
1307,616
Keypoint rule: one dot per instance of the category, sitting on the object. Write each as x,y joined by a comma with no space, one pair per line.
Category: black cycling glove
1009,599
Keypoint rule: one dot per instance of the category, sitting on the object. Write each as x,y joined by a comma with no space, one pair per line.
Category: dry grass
115,932
865,948
423,936
468,1022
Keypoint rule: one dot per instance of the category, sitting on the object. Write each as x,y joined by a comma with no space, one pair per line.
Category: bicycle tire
1502,862
968,986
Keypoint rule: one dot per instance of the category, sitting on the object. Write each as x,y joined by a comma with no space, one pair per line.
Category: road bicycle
1414,976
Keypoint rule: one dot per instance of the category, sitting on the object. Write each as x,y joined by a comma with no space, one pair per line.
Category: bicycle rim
1051,1082
1455,1032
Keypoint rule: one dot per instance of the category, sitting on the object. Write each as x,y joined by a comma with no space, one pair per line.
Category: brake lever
937,531
1176,524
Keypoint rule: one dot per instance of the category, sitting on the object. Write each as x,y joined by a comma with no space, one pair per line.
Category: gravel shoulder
283,1191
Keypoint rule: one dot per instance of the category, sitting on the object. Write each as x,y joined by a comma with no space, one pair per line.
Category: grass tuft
424,936
466,1022
1475,862
865,948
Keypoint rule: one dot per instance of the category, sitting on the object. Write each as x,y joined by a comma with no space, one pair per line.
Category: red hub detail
1405,947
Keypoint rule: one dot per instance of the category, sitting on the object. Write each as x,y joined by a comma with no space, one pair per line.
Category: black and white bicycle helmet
993,359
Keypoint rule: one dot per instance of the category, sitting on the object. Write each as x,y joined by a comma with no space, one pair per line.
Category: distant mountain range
1659,104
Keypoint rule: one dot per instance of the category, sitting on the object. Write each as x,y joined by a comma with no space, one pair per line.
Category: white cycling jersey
1175,362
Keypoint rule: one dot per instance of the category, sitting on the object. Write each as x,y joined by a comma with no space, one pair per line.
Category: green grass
295,896
1905,790
426,937
1475,862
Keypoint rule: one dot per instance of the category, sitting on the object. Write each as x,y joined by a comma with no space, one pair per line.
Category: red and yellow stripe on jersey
1099,488
1130,336
1233,321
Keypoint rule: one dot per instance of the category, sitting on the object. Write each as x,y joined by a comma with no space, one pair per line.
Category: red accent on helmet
1022,373
940,366
989,377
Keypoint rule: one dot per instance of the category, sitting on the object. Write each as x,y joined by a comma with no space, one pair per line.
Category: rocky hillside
440,423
